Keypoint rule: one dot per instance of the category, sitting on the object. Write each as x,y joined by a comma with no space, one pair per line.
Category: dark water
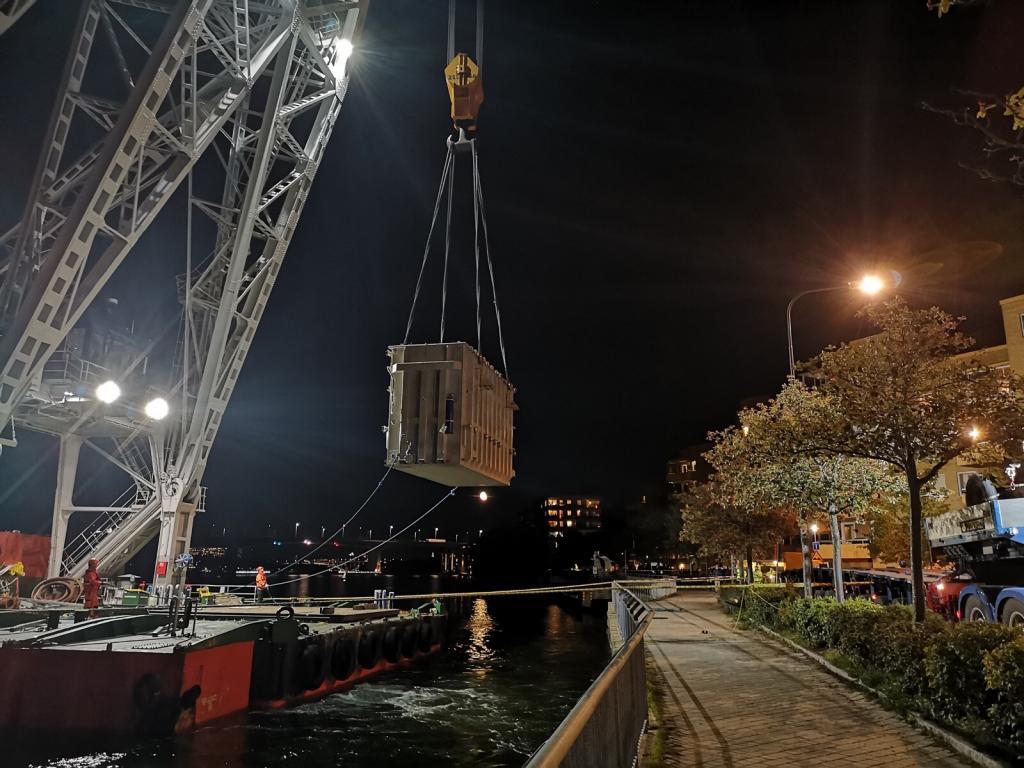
513,668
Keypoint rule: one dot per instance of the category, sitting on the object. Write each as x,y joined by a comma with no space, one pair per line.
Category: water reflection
480,625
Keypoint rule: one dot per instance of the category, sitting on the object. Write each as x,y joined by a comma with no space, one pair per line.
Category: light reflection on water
480,625
513,668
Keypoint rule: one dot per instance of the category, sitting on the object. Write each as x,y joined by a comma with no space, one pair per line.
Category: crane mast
238,96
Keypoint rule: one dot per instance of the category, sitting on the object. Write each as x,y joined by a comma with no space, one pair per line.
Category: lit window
568,524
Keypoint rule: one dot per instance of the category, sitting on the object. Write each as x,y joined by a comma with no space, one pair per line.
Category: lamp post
869,285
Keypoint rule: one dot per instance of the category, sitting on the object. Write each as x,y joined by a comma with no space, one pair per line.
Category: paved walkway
734,699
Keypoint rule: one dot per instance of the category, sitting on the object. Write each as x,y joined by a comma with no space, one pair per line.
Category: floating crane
232,101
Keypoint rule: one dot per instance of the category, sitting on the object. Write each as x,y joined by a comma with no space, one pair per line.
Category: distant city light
870,284
108,392
157,409
483,496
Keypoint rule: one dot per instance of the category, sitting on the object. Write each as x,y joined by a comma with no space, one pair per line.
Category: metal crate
450,415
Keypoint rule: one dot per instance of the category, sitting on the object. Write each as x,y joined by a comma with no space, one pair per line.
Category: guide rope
568,589
442,500
340,528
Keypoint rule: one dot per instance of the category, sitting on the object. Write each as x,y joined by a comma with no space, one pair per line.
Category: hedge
968,675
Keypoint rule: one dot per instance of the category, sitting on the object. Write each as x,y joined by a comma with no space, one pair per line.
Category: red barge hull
130,675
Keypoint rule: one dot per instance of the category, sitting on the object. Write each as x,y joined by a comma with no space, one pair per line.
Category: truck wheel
974,609
1013,613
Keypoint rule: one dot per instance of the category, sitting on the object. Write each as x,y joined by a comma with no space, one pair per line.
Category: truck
985,543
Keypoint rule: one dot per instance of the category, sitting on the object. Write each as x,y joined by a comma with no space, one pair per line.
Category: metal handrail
633,617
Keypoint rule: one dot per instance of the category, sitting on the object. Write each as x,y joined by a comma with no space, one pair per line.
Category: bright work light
108,392
157,409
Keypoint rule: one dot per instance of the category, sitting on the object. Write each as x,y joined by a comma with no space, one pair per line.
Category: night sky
660,178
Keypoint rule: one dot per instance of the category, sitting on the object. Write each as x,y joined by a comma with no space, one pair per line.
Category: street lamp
390,529
296,530
869,285
435,532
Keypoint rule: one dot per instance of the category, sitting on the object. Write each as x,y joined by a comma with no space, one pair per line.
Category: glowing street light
814,527
157,409
108,392
483,496
435,532
974,434
870,284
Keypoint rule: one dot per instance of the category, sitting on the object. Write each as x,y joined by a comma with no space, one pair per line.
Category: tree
890,525
759,463
721,528
998,119
909,397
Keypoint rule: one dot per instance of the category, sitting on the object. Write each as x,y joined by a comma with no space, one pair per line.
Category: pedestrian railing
604,729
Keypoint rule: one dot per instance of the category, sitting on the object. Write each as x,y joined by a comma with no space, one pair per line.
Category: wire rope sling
450,410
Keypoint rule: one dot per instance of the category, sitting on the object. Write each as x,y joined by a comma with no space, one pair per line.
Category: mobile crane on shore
986,543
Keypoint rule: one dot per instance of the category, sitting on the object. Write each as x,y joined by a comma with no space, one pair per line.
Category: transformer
450,415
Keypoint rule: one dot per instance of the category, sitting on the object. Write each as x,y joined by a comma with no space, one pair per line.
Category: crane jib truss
244,90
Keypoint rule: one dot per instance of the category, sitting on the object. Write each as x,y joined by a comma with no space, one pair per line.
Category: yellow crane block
465,89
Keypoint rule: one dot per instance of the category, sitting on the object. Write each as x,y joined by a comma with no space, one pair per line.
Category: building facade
953,477
563,514
687,469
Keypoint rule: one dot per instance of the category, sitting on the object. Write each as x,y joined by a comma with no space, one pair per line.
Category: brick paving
734,698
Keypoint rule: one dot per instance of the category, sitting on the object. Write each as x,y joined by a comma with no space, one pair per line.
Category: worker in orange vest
262,590
91,588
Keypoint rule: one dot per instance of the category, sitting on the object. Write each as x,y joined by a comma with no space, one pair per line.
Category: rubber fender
392,644
437,626
369,649
312,665
426,634
343,657
410,635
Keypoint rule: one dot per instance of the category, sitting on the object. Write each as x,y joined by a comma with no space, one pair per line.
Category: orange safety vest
261,579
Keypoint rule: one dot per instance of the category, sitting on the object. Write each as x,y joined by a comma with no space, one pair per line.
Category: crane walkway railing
605,727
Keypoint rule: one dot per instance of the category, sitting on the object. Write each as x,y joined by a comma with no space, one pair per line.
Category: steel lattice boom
239,95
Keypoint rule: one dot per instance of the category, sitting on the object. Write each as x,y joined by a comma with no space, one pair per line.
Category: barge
151,673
